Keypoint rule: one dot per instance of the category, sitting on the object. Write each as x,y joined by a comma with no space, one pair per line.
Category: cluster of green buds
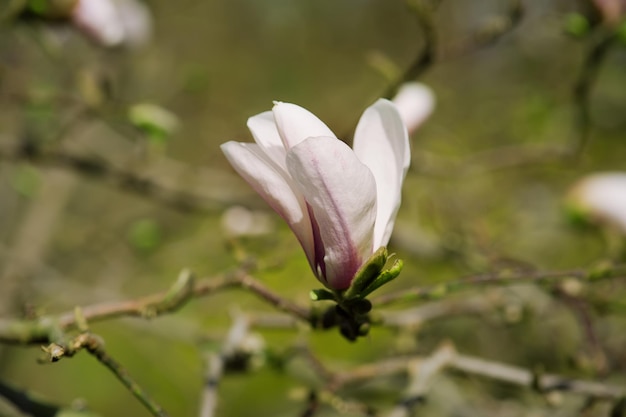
351,311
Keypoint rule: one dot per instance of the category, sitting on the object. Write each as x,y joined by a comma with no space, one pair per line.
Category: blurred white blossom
113,22
602,198
239,221
415,102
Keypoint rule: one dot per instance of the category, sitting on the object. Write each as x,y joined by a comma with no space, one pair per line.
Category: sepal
367,273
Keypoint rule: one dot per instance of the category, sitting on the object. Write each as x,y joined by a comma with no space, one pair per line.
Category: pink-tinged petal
381,142
295,124
265,133
415,102
276,187
341,192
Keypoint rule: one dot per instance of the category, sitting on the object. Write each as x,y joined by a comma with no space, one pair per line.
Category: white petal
381,142
604,197
415,102
266,135
275,186
341,192
295,124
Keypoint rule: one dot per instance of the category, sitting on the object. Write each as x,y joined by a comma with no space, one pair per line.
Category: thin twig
426,56
420,375
544,383
95,346
482,367
490,32
582,90
506,277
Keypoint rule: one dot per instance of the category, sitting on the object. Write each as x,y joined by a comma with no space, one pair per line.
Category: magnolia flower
341,203
415,102
602,197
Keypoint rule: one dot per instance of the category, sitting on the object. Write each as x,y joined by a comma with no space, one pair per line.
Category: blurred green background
69,240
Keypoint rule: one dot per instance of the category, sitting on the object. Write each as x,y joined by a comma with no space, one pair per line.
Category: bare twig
582,90
420,374
505,277
544,383
447,358
414,317
490,32
425,57
95,347
42,330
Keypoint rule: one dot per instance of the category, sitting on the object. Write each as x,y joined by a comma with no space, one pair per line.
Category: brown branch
50,328
426,56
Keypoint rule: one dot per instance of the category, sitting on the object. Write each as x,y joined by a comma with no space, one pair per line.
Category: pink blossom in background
113,22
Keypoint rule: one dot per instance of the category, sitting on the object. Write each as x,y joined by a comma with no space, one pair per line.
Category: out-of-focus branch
33,238
26,404
447,358
486,35
582,90
411,318
420,375
542,383
581,311
490,31
423,13
216,363
498,278
125,178
494,159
